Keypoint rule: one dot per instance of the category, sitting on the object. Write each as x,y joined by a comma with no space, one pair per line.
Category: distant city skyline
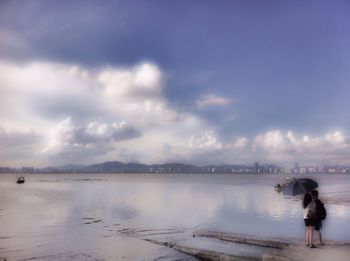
199,82
177,167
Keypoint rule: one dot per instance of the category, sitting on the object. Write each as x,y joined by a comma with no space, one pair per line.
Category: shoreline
221,246
262,248
176,172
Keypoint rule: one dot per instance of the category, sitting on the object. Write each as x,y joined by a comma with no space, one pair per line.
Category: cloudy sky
162,81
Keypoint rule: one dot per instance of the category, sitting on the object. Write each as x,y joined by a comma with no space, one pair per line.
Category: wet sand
179,244
223,246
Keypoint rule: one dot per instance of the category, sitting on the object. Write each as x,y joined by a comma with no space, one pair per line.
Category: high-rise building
256,167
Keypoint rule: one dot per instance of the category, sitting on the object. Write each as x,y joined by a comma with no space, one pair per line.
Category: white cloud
283,147
60,136
136,84
207,141
148,76
108,105
91,115
213,100
336,138
241,142
65,135
38,94
270,140
274,146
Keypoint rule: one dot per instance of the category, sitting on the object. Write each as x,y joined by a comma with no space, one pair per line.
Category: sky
201,82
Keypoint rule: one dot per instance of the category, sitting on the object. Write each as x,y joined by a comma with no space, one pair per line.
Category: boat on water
20,180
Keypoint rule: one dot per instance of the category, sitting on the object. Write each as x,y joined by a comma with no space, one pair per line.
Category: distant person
320,214
278,188
309,213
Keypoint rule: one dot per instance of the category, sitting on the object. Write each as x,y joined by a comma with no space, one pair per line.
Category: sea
106,216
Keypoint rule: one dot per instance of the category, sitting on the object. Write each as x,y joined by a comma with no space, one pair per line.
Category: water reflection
124,212
72,206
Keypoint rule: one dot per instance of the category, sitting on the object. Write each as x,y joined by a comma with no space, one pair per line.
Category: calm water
54,213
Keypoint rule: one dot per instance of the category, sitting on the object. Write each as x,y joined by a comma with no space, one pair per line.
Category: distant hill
7,170
173,167
116,166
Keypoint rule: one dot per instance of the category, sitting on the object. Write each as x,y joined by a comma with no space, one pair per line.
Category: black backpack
320,210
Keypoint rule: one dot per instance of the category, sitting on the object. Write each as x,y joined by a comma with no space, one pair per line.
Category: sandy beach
214,245
201,245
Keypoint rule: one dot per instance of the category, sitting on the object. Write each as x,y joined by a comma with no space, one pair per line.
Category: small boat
20,180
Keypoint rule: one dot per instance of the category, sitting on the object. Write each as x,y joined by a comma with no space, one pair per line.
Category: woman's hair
314,193
307,199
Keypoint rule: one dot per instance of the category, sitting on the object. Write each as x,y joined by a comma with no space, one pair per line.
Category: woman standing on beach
309,214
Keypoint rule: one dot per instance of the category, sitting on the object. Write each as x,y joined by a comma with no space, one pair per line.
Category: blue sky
192,81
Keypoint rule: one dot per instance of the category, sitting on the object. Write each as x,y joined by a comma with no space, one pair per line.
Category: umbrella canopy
299,186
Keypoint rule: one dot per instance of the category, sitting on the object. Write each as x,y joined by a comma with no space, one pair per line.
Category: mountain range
120,167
